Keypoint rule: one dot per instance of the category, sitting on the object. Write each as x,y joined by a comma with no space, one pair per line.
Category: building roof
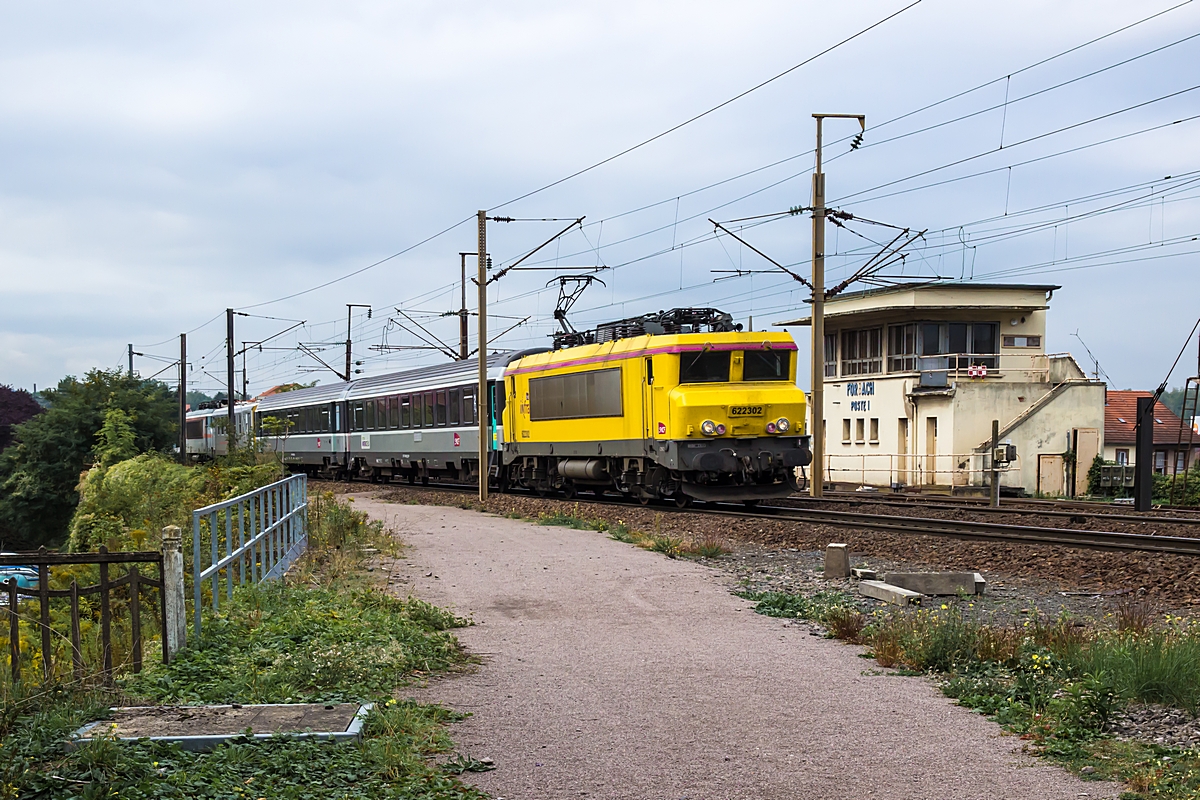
1120,416
916,288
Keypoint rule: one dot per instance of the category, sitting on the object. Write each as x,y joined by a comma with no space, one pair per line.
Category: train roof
428,377
220,411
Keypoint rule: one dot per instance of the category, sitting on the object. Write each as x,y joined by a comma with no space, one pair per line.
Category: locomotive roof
651,344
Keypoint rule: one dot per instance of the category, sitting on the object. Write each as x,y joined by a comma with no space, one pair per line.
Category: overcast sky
161,162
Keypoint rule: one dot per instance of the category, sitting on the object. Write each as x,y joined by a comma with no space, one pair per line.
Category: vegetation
16,406
705,546
325,634
1056,683
40,472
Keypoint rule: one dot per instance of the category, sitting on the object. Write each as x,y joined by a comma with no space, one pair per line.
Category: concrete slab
980,584
864,574
896,595
933,583
201,728
837,561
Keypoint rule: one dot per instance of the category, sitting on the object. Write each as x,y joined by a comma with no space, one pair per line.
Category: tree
40,472
16,406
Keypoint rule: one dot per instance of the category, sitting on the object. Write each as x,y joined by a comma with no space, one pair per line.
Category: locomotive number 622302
745,411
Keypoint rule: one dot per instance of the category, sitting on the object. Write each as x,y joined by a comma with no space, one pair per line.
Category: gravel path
612,672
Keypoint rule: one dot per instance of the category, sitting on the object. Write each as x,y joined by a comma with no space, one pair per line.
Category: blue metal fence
261,534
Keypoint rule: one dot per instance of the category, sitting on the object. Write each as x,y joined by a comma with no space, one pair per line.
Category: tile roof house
1120,417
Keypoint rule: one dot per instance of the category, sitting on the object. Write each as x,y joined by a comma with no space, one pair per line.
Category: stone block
864,574
934,583
980,584
896,595
837,561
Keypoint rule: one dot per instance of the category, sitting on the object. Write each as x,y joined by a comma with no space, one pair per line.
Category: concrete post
837,561
175,624
995,482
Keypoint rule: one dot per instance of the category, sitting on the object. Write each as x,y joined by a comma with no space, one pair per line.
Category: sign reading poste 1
860,389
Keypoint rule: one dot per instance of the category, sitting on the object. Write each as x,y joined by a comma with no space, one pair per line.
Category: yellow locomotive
681,404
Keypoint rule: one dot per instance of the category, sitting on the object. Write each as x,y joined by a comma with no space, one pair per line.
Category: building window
1179,465
1160,462
845,431
902,348
1123,458
862,352
1022,341
971,344
831,355
859,430
874,431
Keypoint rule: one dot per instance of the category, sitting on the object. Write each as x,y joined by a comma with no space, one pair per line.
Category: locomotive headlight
770,427
782,425
708,427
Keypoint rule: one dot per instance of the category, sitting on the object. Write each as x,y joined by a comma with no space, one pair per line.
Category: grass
1053,682
706,546
324,635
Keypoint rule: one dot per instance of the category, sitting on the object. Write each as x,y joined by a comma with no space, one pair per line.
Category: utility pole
818,313
995,486
349,310
130,346
183,398
462,311
481,399
231,423
245,382
1143,464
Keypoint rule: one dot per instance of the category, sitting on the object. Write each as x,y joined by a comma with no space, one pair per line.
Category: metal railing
912,469
261,533
106,592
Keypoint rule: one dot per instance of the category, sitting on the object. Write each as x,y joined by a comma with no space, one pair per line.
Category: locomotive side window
195,429
456,406
704,367
766,365
580,394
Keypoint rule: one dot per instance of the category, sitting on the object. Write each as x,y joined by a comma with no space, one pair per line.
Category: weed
708,546
1134,616
846,624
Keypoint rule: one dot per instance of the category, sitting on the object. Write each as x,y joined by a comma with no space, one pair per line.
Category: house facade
1120,439
916,373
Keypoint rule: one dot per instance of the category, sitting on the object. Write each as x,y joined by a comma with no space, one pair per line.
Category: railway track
1027,505
1073,512
927,526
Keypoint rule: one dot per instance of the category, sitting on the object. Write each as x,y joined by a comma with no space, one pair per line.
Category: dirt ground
612,672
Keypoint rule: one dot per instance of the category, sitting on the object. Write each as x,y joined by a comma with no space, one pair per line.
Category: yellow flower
944,606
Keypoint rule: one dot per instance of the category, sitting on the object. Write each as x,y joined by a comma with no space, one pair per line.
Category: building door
930,450
1087,447
902,451
1050,478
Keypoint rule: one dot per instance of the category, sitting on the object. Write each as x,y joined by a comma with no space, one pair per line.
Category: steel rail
1003,509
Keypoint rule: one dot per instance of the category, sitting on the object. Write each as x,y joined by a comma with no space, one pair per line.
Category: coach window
405,411
381,414
469,417
356,422
456,406
369,424
428,412
439,406
766,365
704,367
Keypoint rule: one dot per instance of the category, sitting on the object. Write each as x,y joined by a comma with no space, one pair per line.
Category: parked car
27,578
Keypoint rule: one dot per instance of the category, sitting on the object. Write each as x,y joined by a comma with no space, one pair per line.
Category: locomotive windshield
766,365
704,367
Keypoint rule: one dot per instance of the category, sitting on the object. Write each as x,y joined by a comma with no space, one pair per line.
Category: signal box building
915,374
